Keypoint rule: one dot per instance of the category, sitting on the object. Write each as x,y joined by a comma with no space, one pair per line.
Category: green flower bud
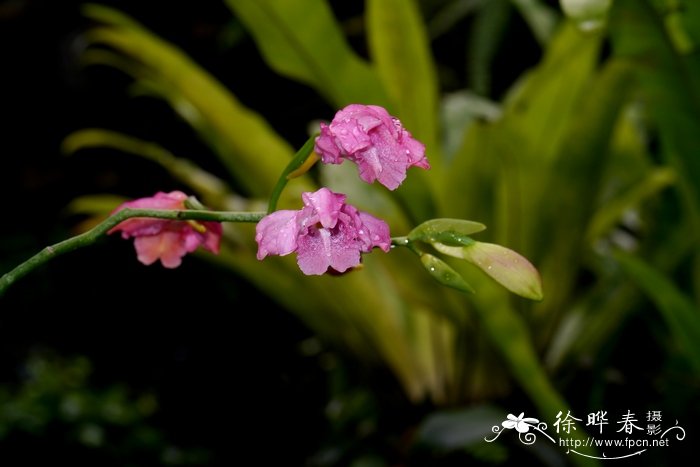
505,266
452,232
444,274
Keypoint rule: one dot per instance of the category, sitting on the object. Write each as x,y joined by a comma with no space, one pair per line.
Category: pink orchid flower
374,140
326,234
165,239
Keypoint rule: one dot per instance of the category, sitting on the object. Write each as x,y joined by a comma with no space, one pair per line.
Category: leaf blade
302,40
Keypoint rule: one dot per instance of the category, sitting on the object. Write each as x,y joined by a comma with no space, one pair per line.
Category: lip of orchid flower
327,234
167,240
377,142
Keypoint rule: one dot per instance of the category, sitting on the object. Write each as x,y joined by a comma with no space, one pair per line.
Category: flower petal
147,226
164,239
374,140
277,233
212,237
326,233
373,232
167,246
327,147
321,249
326,205
522,427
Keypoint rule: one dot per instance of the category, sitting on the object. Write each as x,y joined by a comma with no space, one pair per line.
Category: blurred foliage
587,165
55,394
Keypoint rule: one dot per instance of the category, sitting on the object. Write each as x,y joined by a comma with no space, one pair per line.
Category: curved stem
92,235
302,161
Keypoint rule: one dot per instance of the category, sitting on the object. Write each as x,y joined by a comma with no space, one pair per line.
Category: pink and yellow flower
163,239
377,142
326,234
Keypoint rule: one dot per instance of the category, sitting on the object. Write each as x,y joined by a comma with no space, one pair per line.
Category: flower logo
522,425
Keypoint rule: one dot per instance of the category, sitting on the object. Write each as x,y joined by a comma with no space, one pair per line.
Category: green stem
400,241
92,235
299,159
405,242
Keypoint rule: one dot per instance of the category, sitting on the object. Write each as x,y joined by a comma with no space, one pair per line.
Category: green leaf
589,14
450,14
302,40
557,236
681,316
300,163
485,37
610,213
452,430
452,232
509,334
458,110
213,190
669,85
246,143
94,204
444,274
500,168
682,22
541,18
399,47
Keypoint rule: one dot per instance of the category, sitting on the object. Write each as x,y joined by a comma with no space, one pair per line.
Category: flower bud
505,266
444,274
450,232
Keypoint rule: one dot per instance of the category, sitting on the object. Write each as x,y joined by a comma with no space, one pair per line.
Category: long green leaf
501,164
574,181
213,190
539,17
670,86
681,316
485,37
509,334
611,213
249,147
302,40
400,48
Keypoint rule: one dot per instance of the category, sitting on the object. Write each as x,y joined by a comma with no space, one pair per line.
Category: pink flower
165,239
326,233
374,140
